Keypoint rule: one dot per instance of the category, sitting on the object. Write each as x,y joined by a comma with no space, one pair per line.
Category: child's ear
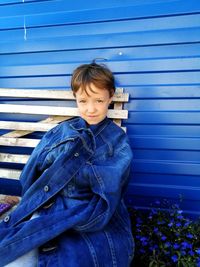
111,99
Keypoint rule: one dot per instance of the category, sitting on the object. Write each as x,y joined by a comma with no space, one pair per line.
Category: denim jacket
74,180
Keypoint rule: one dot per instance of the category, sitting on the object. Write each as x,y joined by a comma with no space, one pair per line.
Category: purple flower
191,253
163,238
155,230
180,217
170,224
167,234
174,258
186,224
160,222
154,247
179,211
144,240
176,246
153,211
183,253
198,251
186,245
189,235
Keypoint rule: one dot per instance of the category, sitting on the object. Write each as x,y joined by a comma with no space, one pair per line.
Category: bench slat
51,110
13,158
31,126
118,106
43,94
51,119
21,142
53,94
10,173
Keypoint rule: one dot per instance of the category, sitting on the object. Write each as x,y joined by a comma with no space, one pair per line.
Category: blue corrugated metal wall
153,47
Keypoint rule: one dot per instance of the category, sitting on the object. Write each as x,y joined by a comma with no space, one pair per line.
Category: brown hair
93,73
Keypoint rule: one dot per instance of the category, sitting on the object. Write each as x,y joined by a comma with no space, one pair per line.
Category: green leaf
152,264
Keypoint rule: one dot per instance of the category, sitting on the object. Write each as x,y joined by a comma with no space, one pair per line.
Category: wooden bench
26,114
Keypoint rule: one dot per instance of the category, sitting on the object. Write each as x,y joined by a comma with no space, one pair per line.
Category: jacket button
76,154
7,218
46,188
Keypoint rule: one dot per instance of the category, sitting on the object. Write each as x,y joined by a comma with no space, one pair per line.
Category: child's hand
12,200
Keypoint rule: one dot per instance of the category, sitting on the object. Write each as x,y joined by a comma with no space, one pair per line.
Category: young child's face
93,107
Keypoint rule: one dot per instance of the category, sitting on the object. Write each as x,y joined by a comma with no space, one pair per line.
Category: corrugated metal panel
153,47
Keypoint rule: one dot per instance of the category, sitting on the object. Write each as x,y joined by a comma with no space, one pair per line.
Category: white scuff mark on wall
25,32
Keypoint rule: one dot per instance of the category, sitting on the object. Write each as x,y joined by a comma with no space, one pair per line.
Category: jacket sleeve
31,167
107,181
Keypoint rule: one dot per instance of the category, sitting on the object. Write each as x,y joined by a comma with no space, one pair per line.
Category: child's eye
99,101
82,101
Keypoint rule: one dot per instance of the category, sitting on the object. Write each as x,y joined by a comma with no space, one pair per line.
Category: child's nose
91,108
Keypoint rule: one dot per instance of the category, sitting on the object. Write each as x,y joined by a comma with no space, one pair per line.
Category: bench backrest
26,114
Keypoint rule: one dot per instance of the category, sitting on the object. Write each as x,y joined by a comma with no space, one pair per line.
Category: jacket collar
80,124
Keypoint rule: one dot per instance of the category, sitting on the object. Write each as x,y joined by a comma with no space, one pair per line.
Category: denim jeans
30,259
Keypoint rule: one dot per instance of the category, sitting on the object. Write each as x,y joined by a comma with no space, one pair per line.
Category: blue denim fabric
75,179
30,259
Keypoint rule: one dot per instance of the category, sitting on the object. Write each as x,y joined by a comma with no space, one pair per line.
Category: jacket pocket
52,153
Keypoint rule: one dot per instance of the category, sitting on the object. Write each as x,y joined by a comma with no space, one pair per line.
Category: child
72,211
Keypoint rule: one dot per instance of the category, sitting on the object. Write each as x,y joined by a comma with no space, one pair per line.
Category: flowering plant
164,237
